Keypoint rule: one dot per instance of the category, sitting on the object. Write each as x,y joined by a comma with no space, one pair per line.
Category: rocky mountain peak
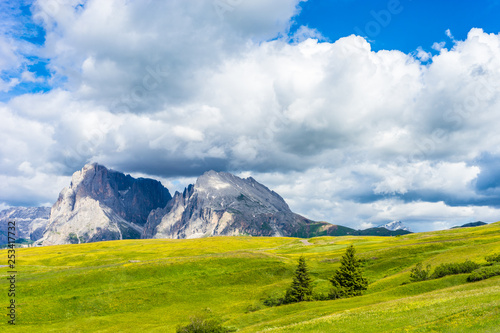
394,225
103,204
221,203
85,173
225,189
214,181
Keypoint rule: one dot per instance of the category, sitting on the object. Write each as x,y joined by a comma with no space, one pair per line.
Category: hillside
471,225
153,285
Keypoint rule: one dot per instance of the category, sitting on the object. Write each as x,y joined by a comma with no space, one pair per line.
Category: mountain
30,222
223,204
470,225
102,204
394,225
377,231
315,229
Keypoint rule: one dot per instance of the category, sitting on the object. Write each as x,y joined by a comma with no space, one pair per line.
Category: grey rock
30,222
223,204
394,225
102,204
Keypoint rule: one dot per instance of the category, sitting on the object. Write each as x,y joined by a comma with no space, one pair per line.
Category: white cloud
438,46
172,89
303,33
449,34
422,55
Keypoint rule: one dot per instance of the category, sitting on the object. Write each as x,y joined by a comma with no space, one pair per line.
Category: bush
484,273
335,293
320,296
273,300
203,325
418,273
493,258
73,238
454,268
253,307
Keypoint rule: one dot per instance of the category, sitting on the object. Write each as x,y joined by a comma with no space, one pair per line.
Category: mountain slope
471,224
154,285
223,204
102,204
30,222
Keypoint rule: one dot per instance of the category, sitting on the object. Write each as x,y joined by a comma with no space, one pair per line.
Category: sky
356,112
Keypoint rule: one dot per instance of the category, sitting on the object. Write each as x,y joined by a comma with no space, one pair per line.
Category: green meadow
156,285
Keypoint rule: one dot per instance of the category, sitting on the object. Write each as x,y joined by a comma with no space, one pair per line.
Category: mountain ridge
30,222
103,204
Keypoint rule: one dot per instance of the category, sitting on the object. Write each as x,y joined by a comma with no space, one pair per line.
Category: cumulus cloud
345,134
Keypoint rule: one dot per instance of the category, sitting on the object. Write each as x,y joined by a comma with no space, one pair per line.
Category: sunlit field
156,285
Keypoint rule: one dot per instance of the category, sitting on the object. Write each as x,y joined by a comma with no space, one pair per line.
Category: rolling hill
154,285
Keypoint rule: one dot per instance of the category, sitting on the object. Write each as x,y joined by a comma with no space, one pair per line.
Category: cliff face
102,204
30,222
223,204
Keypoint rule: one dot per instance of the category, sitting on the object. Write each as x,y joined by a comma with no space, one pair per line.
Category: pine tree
301,288
348,280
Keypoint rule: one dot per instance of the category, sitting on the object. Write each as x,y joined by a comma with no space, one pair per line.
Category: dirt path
306,242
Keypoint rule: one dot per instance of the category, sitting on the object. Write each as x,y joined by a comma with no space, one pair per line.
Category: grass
156,285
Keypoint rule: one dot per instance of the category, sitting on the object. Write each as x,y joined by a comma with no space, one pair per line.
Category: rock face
223,204
102,204
30,222
394,225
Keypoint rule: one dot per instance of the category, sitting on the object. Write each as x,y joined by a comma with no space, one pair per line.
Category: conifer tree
301,288
348,280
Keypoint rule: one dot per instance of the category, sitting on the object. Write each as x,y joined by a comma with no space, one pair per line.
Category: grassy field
155,285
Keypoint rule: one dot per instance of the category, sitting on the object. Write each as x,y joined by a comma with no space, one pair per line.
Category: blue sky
411,23
356,112
403,25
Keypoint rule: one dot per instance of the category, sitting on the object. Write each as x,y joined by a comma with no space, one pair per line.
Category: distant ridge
326,229
31,222
470,225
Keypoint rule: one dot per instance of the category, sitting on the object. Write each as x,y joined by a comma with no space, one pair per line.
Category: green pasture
156,285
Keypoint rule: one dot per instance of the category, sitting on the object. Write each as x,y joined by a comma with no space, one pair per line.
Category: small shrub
418,273
203,325
73,238
455,268
493,258
273,300
335,293
484,273
253,307
320,296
